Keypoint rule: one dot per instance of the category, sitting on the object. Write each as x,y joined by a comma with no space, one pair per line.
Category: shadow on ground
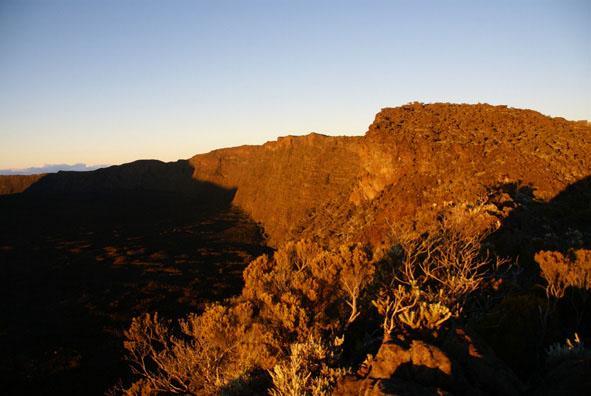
516,328
81,253
560,224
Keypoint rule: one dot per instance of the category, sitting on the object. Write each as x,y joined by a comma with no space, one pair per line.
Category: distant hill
141,175
51,169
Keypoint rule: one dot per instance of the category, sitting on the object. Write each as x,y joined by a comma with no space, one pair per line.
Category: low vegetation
291,301
296,327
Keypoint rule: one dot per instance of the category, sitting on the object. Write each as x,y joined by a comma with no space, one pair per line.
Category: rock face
456,365
279,182
413,159
14,184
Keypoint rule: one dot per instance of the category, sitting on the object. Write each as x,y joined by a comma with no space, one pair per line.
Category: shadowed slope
145,175
84,252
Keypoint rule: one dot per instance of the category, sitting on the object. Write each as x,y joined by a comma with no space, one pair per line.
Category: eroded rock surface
413,161
457,365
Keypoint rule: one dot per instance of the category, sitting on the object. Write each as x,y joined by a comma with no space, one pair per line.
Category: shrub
571,349
305,371
568,278
305,290
410,308
437,275
562,272
213,349
298,295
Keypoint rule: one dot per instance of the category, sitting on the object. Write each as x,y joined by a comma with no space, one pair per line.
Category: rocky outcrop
279,182
414,159
456,365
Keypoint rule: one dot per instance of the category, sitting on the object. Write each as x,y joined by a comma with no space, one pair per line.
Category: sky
108,82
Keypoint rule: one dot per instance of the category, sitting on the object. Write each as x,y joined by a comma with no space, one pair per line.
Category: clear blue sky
112,81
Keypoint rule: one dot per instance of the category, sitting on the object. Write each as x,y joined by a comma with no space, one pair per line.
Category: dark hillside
84,252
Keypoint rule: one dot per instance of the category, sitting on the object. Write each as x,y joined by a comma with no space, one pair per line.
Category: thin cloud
52,168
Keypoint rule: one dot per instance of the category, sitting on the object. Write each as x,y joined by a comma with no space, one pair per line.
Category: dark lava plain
77,267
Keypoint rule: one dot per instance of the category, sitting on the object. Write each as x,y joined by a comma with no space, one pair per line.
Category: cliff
413,159
14,184
279,182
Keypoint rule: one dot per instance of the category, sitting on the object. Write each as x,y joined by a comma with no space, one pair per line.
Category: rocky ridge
414,159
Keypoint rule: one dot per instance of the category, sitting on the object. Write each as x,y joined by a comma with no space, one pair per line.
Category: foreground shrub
304,293
218,347
568,284
562,272
437,275
300,294
571,349
305,290
305,371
